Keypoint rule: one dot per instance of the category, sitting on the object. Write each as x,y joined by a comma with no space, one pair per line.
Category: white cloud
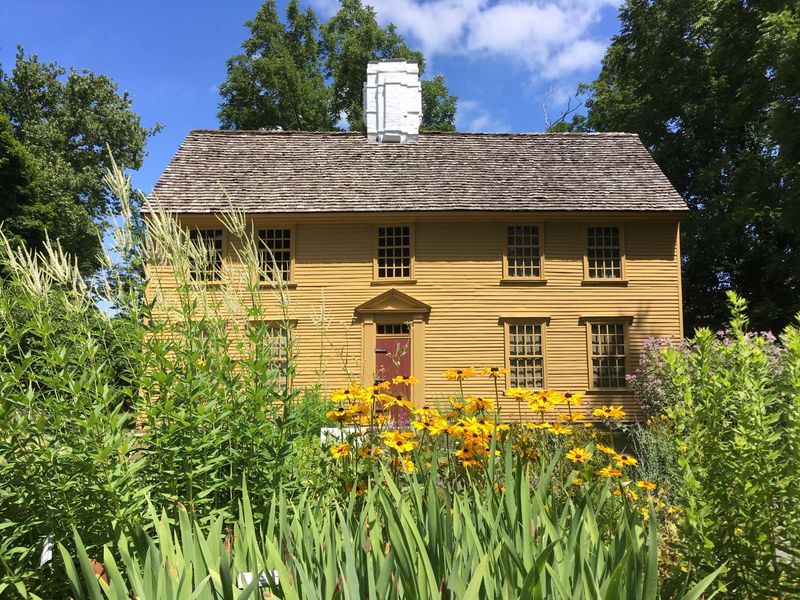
548,38
582,55
473,117
440,26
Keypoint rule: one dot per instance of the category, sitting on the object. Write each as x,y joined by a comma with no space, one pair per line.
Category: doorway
393,358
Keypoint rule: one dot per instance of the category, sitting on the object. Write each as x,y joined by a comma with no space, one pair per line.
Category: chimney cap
393,60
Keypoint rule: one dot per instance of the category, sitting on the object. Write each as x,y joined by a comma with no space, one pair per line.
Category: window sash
394,252
603,253
278,341
525,355
523,252
279,242
211,267
609,355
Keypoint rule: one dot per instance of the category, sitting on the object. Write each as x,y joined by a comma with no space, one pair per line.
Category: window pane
603,253
278,340
522,251
608,355
526,358
394,252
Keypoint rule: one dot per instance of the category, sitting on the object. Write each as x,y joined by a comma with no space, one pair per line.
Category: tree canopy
56,131
713,90
278,80
302,75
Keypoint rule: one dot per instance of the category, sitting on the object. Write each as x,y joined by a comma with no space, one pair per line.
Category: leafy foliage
66,123
428,543
304,76
101,414
711,88
734,423
438,106
278,80
651,383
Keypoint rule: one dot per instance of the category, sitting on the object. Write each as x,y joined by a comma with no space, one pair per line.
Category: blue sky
500,58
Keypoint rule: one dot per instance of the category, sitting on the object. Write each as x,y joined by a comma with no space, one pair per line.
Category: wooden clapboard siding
457,272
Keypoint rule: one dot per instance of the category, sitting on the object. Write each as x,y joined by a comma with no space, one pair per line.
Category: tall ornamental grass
67,456
114,393
519,541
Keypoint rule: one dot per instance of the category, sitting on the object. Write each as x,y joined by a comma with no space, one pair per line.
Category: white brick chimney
392,101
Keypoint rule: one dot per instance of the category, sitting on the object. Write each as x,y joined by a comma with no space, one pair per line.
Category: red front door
393,358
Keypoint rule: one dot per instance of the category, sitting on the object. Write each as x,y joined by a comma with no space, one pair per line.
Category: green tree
712,88
277,81
298,75
438,106
352,38
65,123
29,212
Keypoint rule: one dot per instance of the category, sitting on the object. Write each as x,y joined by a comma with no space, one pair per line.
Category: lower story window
525,355
273,341
279,345
608,355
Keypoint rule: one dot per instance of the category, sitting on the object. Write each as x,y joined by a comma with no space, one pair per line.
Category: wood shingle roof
290,172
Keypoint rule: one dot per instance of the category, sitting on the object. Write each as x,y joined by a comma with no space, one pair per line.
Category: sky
503,59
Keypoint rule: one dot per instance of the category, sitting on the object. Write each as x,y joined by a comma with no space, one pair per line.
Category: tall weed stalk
141,384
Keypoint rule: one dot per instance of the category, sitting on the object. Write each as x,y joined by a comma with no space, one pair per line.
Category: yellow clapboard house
553,255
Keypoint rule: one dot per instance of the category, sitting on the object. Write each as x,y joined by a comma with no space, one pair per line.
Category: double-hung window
525,353
523,257
275,254
608,354
206,255
604,253
394,253
273,345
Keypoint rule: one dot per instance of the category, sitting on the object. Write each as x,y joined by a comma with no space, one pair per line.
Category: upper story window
275,254
609,355
604,253
394,252
208,265
525,355
523,252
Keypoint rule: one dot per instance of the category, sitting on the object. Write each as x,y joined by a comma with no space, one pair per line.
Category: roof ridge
290,132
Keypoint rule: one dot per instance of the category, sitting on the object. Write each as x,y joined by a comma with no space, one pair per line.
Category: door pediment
394,302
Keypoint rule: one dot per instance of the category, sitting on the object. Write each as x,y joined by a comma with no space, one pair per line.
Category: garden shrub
67,456
651,383
735,425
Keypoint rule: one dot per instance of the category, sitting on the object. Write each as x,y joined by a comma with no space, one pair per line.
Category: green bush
735,423
66,453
